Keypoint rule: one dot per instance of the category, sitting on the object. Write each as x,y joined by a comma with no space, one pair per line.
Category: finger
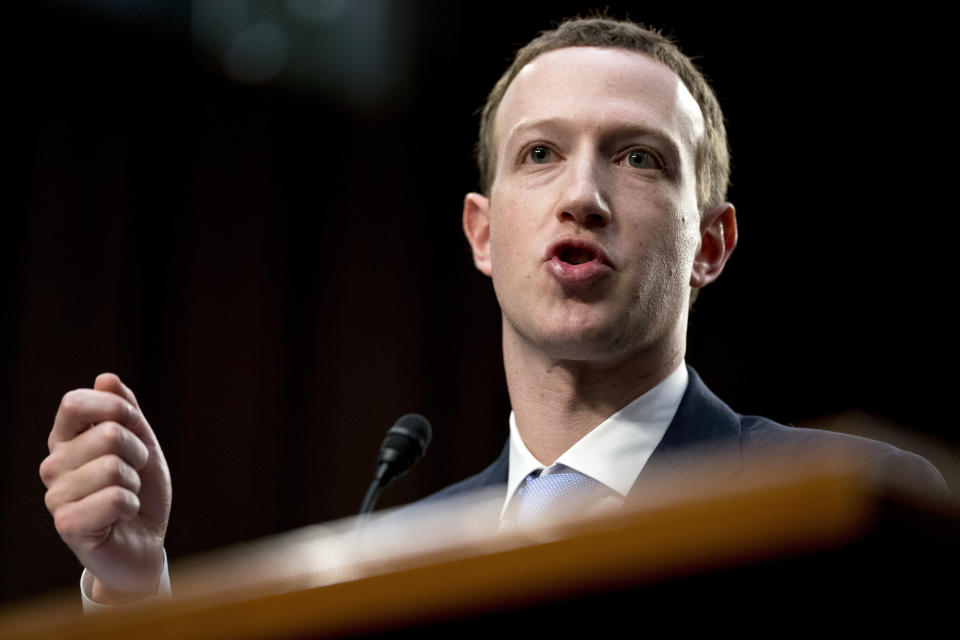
81,408
105,471
88,522
111,383
99,440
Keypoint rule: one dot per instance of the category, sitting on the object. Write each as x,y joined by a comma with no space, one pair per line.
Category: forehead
590,86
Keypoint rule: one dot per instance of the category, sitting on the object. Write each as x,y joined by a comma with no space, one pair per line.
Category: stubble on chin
572,333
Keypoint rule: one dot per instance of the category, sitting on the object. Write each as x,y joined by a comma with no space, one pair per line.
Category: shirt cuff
86,588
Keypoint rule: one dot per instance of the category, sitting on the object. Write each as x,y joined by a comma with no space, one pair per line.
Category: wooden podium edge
821,509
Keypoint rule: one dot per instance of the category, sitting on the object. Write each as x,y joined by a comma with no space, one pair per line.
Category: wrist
134,585
92,604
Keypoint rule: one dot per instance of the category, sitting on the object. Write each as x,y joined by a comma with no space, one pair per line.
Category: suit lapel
703,424
496,473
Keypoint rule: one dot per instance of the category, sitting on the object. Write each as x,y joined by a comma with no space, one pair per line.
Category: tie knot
546,497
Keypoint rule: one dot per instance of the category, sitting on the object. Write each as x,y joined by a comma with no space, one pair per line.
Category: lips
575,260
576,251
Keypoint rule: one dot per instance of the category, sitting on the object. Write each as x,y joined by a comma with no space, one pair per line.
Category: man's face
592,224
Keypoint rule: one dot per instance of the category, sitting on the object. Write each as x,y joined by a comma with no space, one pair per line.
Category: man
604,161
604,167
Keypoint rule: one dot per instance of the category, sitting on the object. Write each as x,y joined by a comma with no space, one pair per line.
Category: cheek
670,233
683,234
500,245
509,231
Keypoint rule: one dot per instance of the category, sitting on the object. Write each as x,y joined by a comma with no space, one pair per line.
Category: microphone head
405,443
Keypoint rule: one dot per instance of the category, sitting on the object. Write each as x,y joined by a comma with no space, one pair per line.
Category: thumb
155,476
110,382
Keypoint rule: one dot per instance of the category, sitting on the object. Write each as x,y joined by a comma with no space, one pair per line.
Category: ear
476,226
718,238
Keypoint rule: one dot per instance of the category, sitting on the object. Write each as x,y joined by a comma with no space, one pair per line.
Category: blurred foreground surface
820,541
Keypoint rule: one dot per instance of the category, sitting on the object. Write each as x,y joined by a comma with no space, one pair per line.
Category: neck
558,401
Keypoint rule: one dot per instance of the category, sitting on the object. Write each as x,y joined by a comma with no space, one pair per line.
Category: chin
591,343
597,333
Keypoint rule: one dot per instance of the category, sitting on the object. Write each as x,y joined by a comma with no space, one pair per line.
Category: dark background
275,264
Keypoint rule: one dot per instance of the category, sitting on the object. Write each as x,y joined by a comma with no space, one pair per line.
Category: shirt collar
616,450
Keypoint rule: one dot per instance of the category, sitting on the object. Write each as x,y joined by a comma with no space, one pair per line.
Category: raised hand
108,489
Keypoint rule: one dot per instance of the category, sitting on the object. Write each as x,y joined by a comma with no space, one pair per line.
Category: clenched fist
108,489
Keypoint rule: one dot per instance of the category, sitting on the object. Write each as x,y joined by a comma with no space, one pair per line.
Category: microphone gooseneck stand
405,443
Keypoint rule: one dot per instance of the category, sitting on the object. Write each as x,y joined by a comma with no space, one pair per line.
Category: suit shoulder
467,485
764,438
492,476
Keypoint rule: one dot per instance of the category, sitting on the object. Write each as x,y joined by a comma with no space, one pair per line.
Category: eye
642,159
539,154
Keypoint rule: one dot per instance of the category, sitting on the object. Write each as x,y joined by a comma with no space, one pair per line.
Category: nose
583,199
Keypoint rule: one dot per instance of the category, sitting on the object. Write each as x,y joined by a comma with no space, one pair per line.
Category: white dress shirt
86,588
615,451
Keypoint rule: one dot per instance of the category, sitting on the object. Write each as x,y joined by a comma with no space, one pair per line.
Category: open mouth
575,251
576,255
576,261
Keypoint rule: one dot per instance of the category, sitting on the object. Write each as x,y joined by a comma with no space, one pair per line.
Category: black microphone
405,443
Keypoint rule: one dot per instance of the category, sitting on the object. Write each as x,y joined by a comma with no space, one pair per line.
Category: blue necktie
545,497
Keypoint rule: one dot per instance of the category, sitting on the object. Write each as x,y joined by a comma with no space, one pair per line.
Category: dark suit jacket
704,422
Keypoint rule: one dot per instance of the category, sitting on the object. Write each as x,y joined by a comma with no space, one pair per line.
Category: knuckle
66,524
48,470
122,501
71,401
112,468
51,500
114,435
117,497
